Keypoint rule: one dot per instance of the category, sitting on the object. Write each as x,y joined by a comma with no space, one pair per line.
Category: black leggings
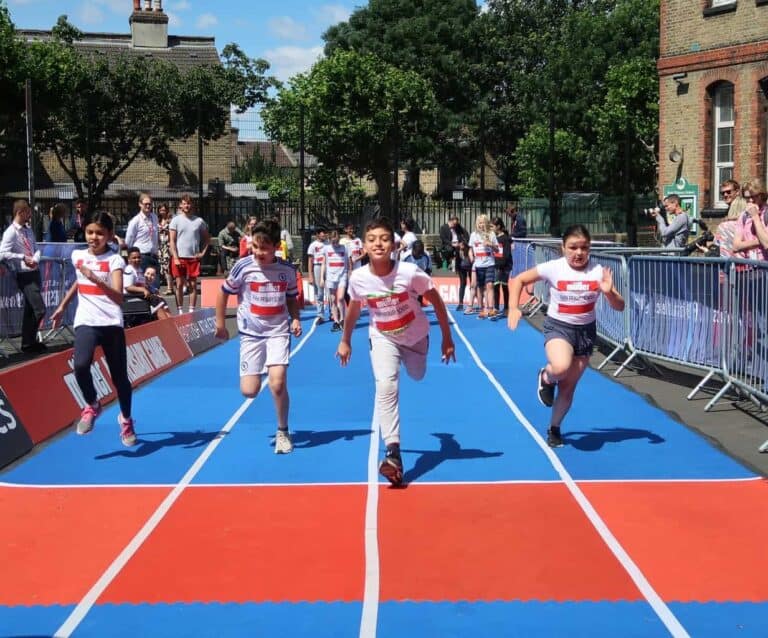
464,276
112,342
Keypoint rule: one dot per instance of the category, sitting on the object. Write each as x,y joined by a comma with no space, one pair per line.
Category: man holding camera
674,230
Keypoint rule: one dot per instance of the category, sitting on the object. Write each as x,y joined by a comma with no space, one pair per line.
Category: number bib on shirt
392,313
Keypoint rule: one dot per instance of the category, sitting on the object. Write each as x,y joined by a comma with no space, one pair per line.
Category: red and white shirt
94,308
483,251
336,262
132,277
262,292
392,301
315,250
355,250
572,293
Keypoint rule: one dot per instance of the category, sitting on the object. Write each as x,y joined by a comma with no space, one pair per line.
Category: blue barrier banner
11,304
58,250
677,309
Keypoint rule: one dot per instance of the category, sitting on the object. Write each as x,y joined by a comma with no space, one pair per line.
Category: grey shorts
582,338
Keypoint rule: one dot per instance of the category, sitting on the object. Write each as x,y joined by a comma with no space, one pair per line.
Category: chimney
149,29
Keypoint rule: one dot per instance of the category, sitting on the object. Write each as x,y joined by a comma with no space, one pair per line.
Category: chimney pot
159,6
137,5
147,5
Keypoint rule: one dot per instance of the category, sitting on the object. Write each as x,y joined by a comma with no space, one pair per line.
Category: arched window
722,137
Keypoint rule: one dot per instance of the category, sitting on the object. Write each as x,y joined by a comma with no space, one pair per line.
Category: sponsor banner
198,329
152,348
209,290
14,440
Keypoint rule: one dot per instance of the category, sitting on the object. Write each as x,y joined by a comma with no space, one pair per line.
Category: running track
638,527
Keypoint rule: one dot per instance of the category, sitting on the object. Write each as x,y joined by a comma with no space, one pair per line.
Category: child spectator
334,278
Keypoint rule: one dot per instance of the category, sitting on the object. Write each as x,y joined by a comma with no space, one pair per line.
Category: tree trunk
383,179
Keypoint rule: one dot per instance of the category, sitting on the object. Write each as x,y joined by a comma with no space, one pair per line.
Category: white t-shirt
261,294
573,293
355,250
396,251
132,277
315,251
408,239
94,308
337,262
392,301
483,253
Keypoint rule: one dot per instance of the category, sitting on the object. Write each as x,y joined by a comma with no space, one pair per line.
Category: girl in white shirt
99,322
398,330
483,244
569,328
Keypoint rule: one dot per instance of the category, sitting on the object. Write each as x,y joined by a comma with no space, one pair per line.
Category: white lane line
370,612
661,609
133,486
89,600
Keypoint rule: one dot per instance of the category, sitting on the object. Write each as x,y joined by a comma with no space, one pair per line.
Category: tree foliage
357,110
433,38
128,108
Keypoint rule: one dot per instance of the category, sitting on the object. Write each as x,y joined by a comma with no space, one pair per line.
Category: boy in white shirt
267,315
334,278
399,330
315,270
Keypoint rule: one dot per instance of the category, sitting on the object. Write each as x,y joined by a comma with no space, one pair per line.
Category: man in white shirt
143,233
19,252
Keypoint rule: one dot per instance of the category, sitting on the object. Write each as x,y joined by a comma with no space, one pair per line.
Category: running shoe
320,320
391,467
470,310
283,443
460,307
483,314
545,391
127,434
87,418
336,327
554,439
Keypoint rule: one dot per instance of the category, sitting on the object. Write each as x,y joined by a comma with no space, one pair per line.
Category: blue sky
287,33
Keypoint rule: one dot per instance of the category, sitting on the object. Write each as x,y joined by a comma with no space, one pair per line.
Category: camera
651,212
702,241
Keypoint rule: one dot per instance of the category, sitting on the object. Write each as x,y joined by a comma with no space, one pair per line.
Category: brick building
713,97
149,37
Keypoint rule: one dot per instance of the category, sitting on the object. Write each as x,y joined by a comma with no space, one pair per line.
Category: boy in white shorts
267,315
399,330
334,278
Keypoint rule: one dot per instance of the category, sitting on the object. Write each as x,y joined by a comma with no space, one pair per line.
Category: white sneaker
283,443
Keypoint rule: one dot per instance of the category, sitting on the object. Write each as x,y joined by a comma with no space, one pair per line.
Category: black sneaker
545,391
391,467
460,308
335,327
554,439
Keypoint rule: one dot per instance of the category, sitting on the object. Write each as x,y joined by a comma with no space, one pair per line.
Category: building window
718,7
722,153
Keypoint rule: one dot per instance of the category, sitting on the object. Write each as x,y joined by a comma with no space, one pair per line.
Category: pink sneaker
127,435
88,418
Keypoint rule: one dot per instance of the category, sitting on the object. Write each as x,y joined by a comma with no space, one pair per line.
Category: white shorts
258,353
332,286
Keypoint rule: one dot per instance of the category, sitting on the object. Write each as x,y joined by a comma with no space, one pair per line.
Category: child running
99,322
569,328
399,330
267,314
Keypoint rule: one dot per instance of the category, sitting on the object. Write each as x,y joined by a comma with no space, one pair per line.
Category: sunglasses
726,192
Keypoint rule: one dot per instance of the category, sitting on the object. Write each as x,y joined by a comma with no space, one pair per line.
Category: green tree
435,39
11,89
357,111
117,111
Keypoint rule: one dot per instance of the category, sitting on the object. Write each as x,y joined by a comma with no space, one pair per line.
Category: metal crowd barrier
57,275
